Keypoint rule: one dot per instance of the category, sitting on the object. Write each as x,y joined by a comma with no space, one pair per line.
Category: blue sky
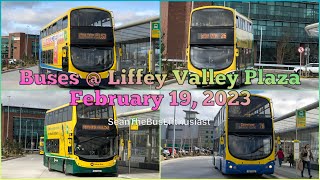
16,16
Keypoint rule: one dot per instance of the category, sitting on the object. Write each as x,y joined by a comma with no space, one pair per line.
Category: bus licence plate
96,170
251,171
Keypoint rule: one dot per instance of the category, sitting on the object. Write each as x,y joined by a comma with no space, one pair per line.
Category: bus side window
70,113
59,25
65,114
65,22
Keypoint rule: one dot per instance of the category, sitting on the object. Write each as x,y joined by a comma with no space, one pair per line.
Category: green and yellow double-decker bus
81,139
243,137
220,39
80,41
41,144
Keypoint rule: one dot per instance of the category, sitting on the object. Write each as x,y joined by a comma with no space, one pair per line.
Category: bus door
65,58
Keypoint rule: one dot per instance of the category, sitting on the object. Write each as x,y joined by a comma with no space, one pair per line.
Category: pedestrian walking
306,157
280,156
291,161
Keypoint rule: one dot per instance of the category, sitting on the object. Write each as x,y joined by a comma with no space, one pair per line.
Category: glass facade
282,25
4,47
28,126
306,136
145,144
135,55
24,110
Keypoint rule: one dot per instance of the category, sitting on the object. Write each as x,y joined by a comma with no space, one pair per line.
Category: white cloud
16,16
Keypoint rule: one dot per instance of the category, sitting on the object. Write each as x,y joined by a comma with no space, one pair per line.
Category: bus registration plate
251,171
96,170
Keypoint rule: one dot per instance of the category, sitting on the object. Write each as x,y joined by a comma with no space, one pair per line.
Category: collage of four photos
160,89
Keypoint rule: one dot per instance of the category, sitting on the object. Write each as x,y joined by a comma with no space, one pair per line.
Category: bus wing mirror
237,52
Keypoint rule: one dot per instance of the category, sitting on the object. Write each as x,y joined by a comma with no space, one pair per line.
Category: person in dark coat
291,161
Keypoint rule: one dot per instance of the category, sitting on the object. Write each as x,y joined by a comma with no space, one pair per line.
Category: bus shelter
138,45
286,130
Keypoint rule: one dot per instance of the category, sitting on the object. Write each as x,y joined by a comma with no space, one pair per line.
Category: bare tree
283,45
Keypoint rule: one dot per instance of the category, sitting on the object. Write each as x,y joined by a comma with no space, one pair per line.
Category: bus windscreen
213,17
95,137
214,57
258,108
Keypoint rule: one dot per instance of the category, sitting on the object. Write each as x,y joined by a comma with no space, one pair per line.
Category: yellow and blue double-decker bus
41,144
80,41
244,137
220,39
81,139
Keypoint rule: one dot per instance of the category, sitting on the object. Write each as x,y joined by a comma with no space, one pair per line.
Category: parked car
170,150
165,152
12,61
312,68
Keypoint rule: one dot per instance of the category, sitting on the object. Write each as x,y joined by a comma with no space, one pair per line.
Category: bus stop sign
301,118
155,30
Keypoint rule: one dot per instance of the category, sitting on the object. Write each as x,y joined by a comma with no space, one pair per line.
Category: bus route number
212,35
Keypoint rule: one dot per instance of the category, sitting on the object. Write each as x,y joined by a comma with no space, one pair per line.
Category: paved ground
199,167
292,173
202,167
31,166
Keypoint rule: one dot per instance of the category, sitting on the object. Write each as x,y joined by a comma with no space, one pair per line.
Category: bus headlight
230,166
270,166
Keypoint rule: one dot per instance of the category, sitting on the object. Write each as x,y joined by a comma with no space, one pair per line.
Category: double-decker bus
41,144
81,139
80,41
220,39
244,137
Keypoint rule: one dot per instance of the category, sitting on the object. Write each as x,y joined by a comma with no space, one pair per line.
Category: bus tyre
49,165
65,168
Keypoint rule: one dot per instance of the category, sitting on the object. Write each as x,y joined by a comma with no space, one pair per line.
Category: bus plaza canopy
287,122
313,30
136,30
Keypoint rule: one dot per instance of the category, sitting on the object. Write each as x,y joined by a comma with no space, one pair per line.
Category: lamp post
31,137
174,132
20,127
37,139
26,51
8,116
25,136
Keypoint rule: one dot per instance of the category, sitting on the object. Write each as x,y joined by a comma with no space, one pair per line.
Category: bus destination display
212,35
96,36
95,127
255,126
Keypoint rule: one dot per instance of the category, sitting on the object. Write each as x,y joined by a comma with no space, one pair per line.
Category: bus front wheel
65,168
49,165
